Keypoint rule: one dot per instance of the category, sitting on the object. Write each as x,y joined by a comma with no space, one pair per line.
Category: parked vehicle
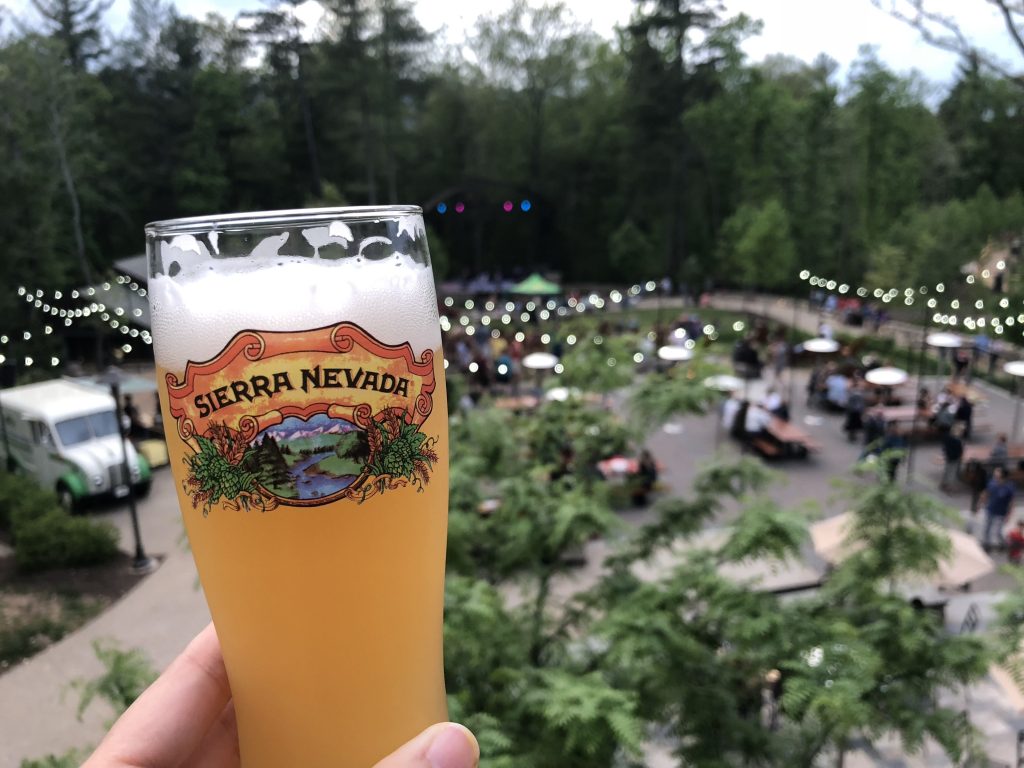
65,435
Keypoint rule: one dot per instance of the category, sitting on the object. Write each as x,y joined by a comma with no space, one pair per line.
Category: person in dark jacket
952,452
892,449
964,415
855,406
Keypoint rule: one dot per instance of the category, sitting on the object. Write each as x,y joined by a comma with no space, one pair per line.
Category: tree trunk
369,150
537,629
56,130
316,183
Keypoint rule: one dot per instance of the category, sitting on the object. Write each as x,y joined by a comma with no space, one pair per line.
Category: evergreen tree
77,24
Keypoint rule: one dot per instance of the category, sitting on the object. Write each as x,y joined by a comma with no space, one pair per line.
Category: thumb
445,745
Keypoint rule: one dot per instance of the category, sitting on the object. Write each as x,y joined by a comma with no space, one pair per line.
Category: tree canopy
661,152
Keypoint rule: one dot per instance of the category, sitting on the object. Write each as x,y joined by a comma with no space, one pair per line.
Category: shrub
46,536
55,540
70,759
22,500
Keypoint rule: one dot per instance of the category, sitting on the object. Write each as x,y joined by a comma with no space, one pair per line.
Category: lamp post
141,563
938,340
1015,369
9,462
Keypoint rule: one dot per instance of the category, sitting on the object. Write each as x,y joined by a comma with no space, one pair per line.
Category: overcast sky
802,28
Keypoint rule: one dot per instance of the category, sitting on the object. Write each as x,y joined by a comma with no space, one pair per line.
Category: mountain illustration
308,459
294,428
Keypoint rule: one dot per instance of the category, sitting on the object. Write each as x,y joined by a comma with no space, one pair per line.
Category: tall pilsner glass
302,387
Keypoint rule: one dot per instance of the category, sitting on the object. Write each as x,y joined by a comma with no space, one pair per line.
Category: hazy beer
302,387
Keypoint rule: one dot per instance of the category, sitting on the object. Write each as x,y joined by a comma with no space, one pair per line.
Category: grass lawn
337,466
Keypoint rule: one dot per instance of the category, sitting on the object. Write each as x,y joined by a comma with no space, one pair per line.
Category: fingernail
453,747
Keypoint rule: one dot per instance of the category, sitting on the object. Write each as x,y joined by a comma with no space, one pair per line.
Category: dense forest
661,152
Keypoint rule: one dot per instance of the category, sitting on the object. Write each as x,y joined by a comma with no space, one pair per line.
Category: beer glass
301,381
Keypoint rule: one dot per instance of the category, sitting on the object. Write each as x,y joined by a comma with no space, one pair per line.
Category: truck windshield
82,429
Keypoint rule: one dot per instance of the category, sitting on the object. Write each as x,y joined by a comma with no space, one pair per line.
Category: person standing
855,406
998,504
1000,455
780,358
894,445
952,452
965,414
730,408
1015,543
645,479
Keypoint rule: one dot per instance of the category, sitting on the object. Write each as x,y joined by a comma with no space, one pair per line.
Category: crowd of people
489,352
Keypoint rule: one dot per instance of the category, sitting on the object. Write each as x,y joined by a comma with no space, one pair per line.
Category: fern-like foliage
581,720
126,674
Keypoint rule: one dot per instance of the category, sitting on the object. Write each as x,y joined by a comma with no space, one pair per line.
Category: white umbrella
561,394
723,382
539,361
966,562
675,354
821,346
944,340
1015,368
886,376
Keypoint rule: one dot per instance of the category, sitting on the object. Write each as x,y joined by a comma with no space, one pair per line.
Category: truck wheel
142,489
66,499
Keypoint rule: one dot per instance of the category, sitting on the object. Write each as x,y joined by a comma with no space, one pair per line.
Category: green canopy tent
535,285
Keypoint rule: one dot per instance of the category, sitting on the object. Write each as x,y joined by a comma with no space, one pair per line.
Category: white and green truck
65,435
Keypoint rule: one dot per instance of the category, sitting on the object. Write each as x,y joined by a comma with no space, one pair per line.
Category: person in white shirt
772,401
836,387
758,419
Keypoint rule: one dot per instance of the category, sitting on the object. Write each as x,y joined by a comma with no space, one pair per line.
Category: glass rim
289,217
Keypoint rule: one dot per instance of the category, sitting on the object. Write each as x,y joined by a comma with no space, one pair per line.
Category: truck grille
118,476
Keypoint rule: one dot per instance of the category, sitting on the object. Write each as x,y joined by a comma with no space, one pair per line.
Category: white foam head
196,312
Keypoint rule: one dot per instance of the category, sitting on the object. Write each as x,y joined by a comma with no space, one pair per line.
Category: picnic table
519,403
619,467
981,454
887,396
900,414
782,439
976,463
910,420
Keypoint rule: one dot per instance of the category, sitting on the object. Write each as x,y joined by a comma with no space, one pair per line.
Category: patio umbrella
1005,678
535,285
762,574
966,562
886,376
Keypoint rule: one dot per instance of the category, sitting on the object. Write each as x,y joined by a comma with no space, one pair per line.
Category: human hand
186,719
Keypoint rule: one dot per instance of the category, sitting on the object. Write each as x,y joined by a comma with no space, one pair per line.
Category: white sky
802,28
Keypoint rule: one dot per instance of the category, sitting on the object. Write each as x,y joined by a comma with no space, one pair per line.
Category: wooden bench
766,447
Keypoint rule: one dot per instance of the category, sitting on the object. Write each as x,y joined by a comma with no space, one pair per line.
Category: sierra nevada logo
304,418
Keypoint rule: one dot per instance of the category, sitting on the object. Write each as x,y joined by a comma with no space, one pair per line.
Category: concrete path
159,616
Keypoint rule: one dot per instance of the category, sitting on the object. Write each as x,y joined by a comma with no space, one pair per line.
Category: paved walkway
160,615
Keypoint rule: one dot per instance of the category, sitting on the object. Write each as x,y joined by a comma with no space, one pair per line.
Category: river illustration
312,484
311,458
